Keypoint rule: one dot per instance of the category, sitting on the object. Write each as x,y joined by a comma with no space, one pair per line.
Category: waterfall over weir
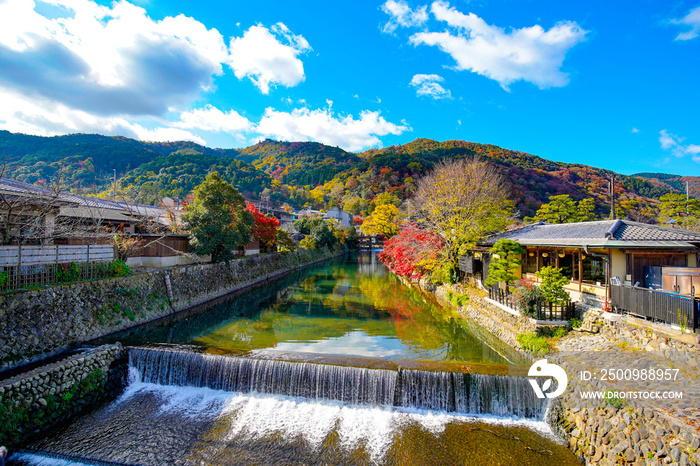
477,394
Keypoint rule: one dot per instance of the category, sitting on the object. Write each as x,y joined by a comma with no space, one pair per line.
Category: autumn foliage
411,251
264,228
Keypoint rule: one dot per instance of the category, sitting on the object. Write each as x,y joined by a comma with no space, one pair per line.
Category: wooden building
593,253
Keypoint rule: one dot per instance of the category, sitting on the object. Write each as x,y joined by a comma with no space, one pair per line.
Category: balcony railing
662,306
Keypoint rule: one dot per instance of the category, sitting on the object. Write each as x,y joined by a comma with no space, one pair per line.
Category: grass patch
613,400
457,299
543,341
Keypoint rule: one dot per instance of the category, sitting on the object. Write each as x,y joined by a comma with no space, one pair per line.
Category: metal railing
663,306
539,310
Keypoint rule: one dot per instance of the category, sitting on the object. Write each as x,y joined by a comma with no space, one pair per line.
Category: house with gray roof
41,214
591,253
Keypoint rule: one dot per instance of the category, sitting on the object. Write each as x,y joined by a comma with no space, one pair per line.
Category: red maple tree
412,246
264,228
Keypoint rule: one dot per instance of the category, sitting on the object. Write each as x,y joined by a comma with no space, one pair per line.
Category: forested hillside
313,174
666,182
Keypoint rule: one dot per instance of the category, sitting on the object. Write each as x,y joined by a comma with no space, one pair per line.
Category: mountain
315,174
299,163
85,161
533,178
177,174
673,182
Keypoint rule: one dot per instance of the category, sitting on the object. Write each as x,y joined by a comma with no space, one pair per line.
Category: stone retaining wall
596,431
41,398
503,324
599,433
625,330
37,323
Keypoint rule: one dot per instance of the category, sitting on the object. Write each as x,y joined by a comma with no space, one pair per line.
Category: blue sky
608,84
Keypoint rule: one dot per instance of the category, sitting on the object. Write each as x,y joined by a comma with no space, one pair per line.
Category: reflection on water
350,306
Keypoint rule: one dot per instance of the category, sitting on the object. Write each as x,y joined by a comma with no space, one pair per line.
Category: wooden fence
540,310
663,306
27,266
164,246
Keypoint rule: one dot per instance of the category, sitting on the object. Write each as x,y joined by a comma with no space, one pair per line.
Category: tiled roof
606,233
64,198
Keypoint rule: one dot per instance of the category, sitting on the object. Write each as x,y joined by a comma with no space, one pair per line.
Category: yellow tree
461,201
384,221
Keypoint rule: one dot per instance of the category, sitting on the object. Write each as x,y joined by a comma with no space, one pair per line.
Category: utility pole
611,185
687,200
114,188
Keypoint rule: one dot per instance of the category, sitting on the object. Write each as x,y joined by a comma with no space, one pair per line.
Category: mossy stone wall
38,323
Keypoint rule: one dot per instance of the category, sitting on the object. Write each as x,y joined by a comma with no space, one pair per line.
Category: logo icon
542,368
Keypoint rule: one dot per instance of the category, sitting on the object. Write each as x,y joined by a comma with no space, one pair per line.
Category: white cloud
635,130
113,70
692,19
107,60
211,118
262,56
673,143
30,115
323,126
402,15
429,85
529,54
166,134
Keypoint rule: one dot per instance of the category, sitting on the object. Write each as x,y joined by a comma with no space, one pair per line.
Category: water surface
347,307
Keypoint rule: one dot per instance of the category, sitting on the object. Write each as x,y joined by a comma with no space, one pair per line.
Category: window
547,259
566,264
594,270
531,262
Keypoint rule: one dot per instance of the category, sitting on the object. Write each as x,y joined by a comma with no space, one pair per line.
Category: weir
465,393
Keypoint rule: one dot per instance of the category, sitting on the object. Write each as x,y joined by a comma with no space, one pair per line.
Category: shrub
457,299
533,343
67,272
119,268
307,243
4,277
614,401
542,341
527,299
575,323
552,332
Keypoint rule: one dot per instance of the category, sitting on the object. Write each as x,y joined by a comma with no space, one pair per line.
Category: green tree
217,219
506,259
563,209
384,221
284,242
352,240
323,235
305,225
553,283
586,210
675,208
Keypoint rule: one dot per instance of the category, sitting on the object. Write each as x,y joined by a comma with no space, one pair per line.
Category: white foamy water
40,460
252,417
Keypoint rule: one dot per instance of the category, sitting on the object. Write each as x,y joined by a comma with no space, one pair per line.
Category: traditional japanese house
592,254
